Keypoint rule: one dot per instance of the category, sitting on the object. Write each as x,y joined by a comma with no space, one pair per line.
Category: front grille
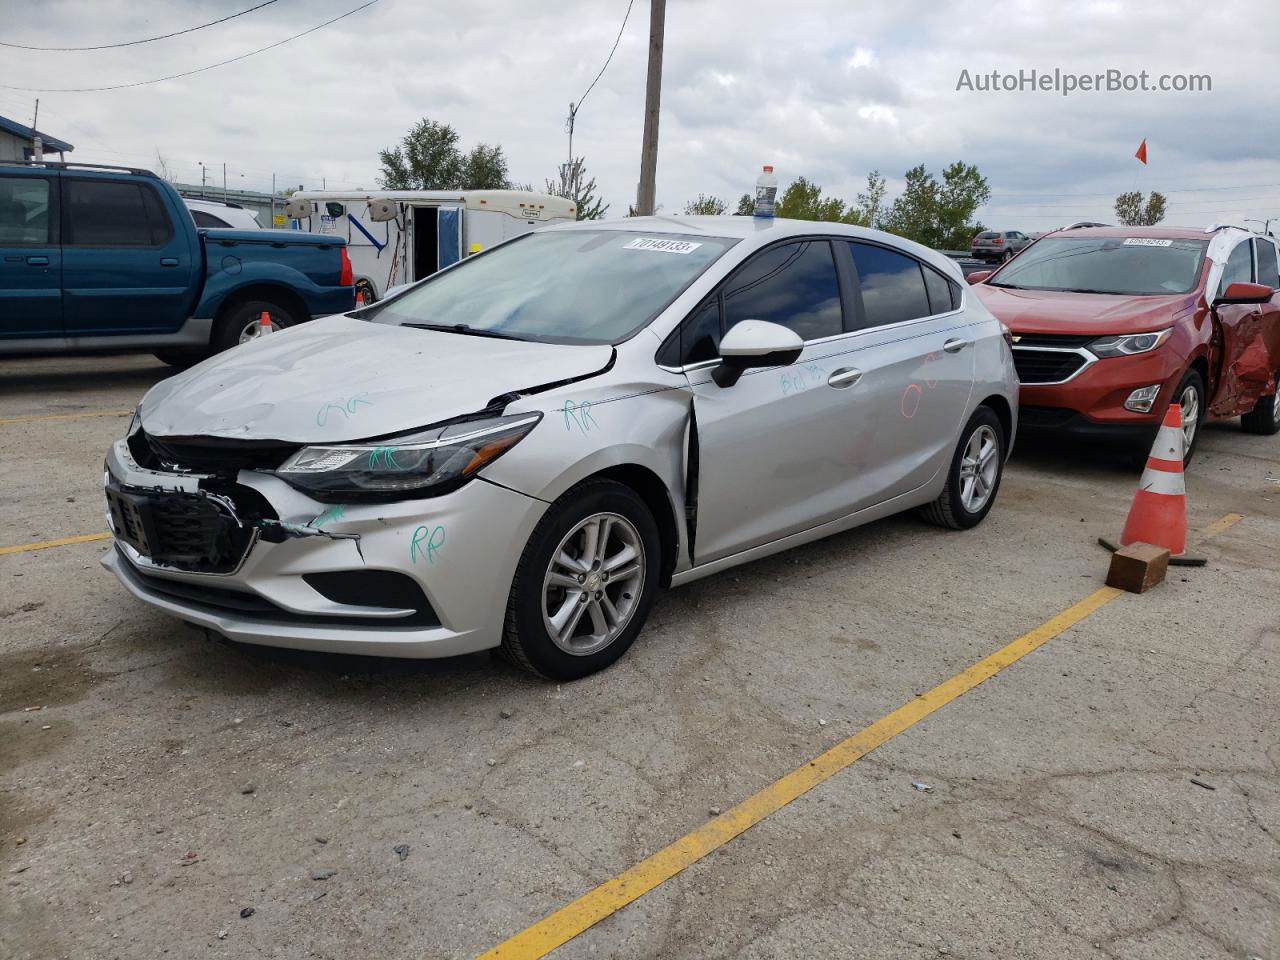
190,531
1071,340
1046,366
208,454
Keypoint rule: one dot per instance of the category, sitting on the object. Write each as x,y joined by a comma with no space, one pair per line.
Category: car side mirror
1241,292
978,276
755,343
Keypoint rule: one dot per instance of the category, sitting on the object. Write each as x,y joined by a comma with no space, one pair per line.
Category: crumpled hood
340,379
1052,311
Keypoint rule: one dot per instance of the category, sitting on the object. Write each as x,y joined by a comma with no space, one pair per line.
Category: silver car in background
519,451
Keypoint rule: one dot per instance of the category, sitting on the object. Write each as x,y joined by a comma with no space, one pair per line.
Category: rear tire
559,549
1264,418
976,466
181,359
237,323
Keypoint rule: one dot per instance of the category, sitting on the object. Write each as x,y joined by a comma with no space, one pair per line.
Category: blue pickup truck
99,258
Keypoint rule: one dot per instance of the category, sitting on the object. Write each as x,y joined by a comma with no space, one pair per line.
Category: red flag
1142,151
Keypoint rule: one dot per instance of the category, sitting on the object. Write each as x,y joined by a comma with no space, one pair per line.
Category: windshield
572,286
1136,266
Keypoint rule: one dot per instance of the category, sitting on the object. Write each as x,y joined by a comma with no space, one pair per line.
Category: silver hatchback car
520,450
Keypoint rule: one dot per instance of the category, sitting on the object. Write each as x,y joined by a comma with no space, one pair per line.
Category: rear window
203,219
988,235
892,285
116,214
24,211
1131,266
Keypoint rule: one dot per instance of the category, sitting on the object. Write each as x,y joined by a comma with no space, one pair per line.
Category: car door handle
845,377
168,261
38,261
955,346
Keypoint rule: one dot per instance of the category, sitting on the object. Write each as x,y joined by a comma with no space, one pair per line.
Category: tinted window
987,235
106,213
794,285
1239,268
892,286
700,335
1268,272
1137,266
941,297
563,286
24,210
203,219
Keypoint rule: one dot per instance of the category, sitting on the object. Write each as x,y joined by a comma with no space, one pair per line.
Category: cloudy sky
825,90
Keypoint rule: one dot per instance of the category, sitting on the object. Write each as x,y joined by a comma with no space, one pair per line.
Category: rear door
127,267
30,258
916,353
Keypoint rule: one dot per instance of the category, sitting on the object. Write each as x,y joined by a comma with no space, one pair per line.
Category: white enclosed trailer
396,237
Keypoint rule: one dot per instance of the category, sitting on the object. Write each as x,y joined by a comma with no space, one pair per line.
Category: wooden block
1138,567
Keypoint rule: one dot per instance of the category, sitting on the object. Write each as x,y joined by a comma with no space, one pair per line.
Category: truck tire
241,322
181,357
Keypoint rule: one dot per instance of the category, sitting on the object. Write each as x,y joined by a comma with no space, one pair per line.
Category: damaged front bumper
260,562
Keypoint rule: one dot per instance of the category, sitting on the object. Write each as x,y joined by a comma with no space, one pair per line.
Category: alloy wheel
253,329
979,468
1190,403
593,584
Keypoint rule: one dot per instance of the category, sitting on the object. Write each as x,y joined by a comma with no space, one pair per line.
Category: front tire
1264,418
585,583
1190,395
242,322
974,476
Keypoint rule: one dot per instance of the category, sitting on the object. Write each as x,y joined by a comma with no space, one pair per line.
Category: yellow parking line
68,416
611,896
46,544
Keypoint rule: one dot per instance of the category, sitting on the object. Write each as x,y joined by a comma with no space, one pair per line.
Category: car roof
1154,233
759,231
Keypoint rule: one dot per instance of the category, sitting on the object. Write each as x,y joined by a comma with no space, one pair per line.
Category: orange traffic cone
359,299
1159,512
264,323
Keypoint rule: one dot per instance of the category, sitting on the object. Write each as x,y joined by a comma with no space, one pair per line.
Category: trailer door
449,230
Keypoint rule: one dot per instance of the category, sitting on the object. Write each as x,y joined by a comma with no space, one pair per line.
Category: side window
700,334
893,288
107,213
941,297
1239,267
203,219
24,211
161,227
793,284
1268,270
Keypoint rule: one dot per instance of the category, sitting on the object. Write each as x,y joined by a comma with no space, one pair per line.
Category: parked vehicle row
95,258
519,451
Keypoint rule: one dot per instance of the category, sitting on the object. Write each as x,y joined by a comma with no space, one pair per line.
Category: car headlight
424,464
1128,344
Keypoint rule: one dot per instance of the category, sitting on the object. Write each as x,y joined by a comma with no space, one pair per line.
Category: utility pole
36,119
652,98
273,201
204,171
224,181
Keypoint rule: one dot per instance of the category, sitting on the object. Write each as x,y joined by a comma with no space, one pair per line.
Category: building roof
29,133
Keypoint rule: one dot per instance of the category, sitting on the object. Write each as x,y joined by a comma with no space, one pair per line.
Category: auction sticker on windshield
1146,242
665,246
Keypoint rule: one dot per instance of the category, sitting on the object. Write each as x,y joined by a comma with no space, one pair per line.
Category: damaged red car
1112,324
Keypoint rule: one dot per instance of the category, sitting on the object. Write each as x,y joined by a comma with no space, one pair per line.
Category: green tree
573,184
706,206
869,205
746,206
939,215
1133,210
429,158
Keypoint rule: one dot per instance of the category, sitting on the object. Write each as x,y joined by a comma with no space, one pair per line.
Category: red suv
1112,324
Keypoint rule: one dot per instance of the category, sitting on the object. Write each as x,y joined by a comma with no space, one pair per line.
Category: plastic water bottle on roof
766,193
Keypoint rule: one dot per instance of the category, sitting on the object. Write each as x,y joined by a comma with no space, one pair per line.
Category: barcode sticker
1146,242
663,246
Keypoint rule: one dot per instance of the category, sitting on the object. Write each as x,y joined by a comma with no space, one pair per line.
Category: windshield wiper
1087,290
1007,286
464,329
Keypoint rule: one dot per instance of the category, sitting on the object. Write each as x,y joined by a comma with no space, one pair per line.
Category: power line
187,73
608,59
134,43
